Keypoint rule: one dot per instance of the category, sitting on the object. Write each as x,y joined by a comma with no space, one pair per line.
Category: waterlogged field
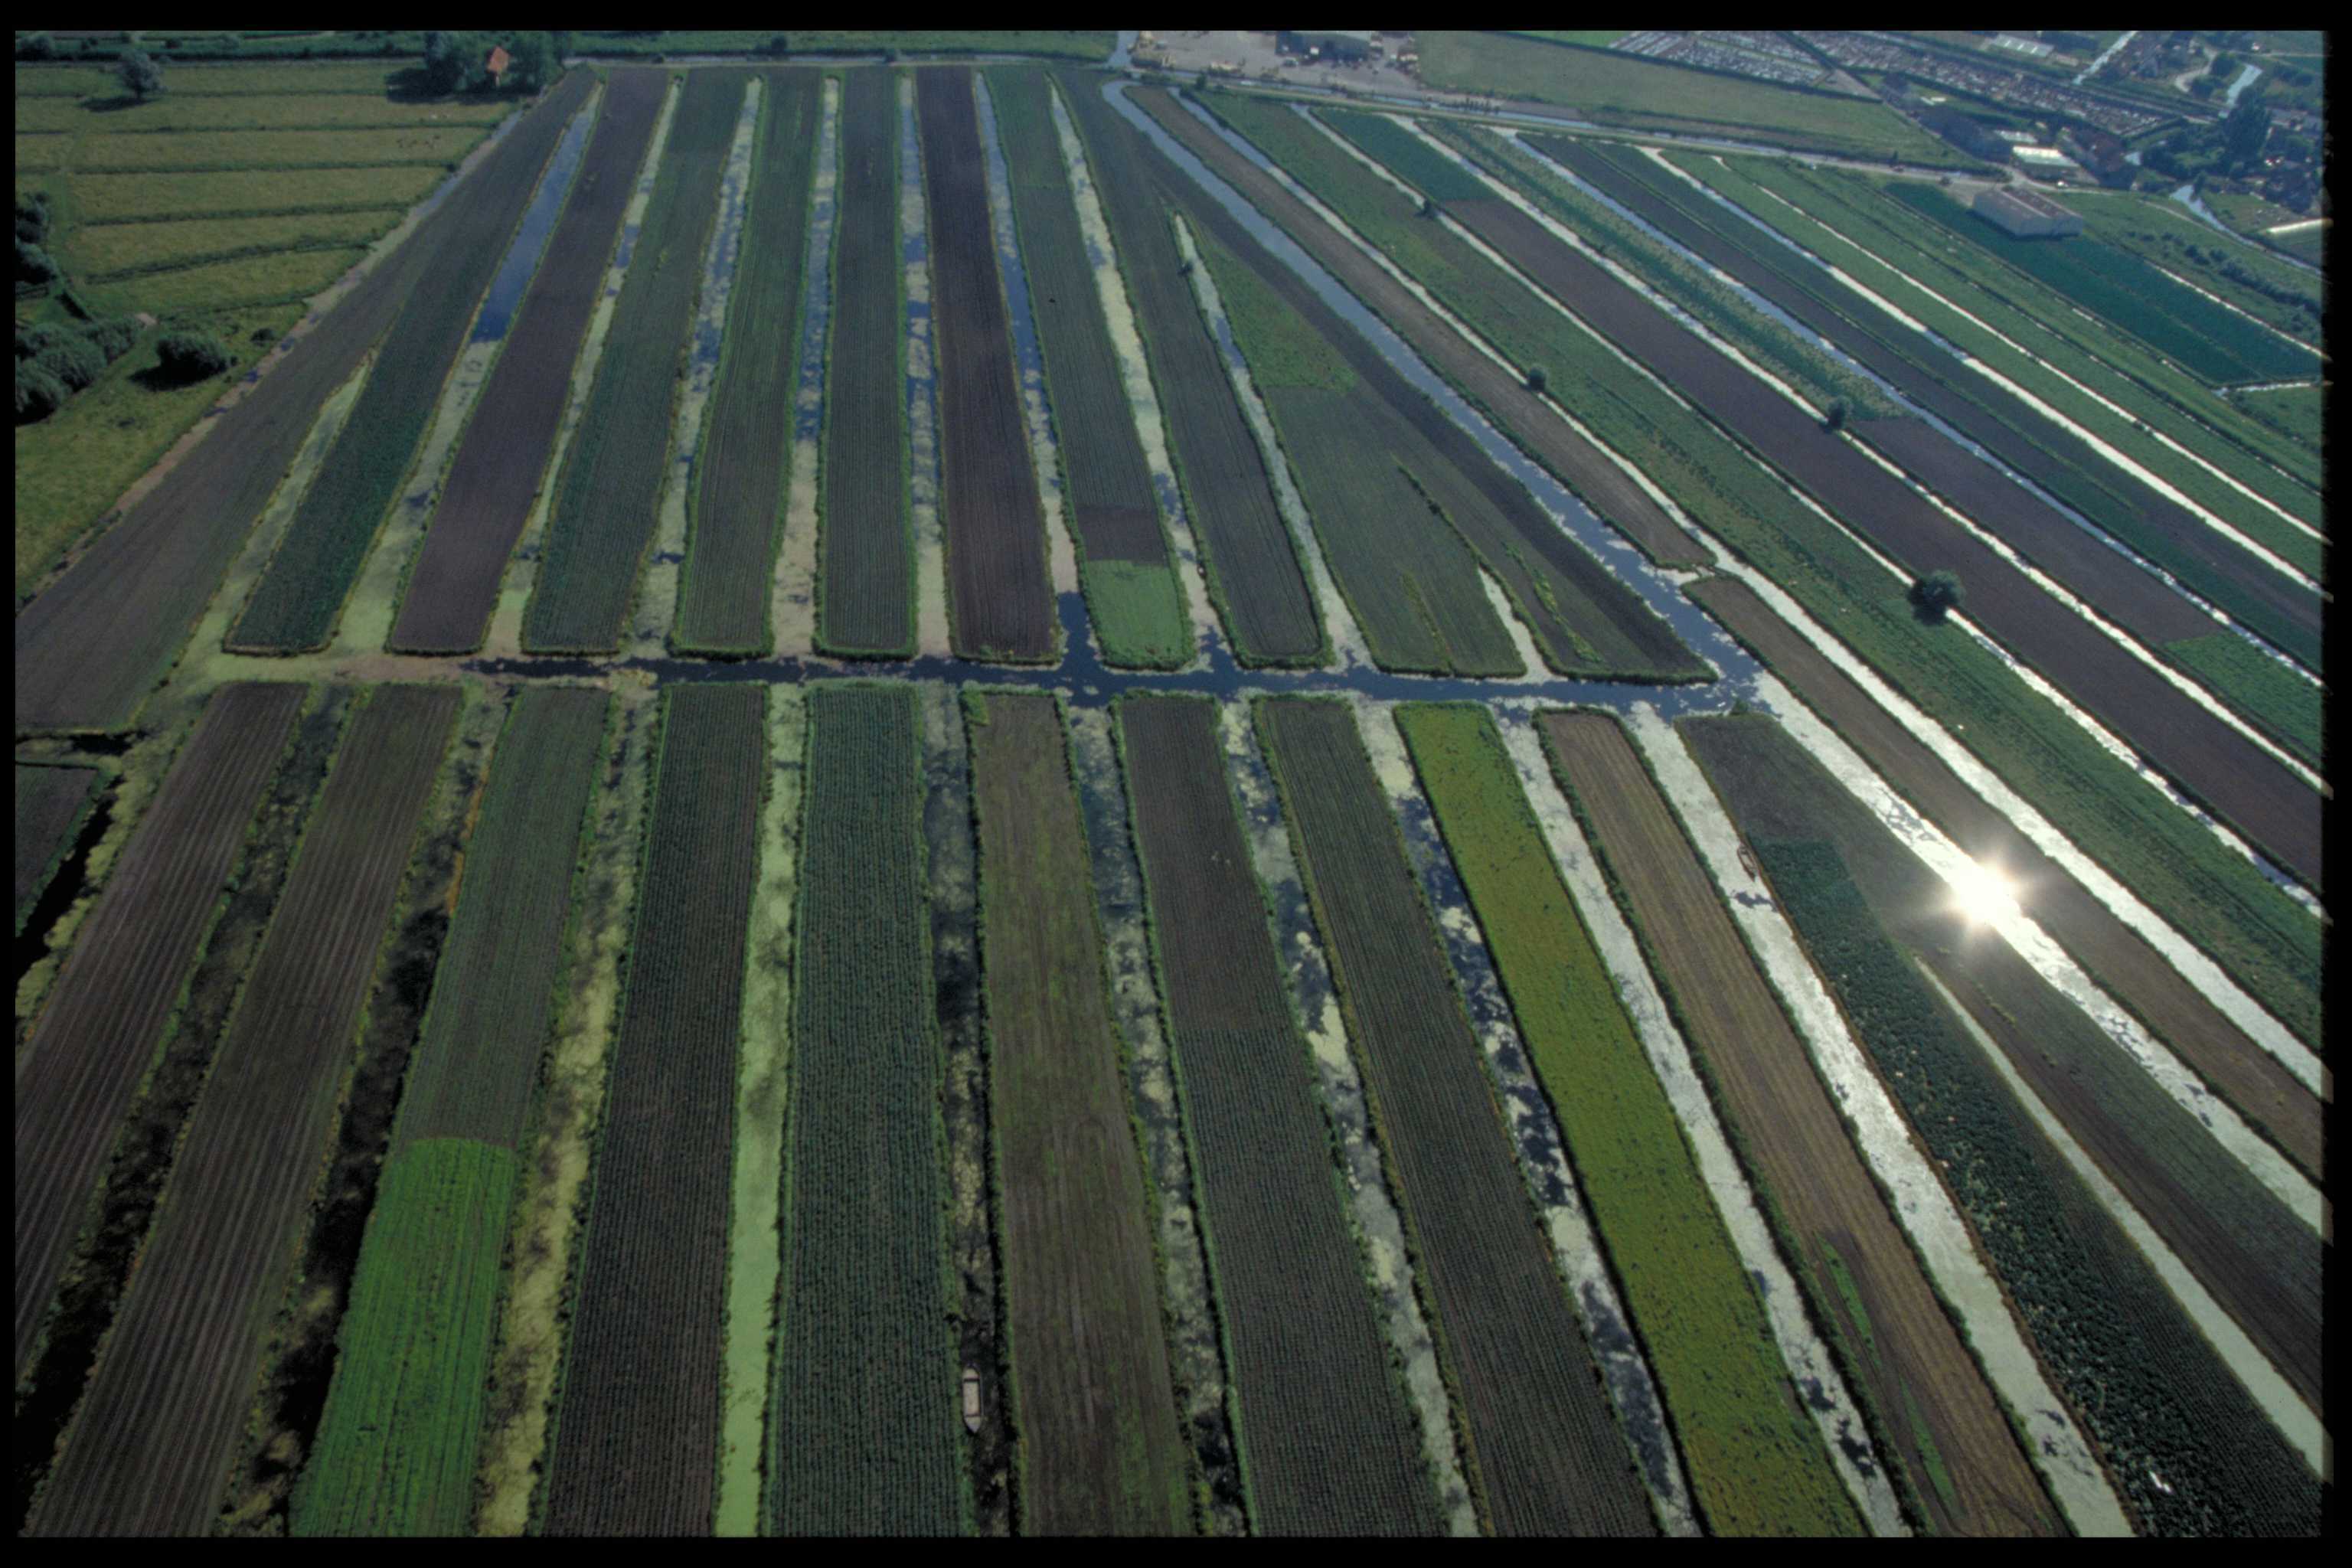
877,793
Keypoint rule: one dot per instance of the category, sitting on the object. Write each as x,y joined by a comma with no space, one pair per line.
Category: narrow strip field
91,646
636,1442
397,1448
1000,601
50,805
866,600
1542,1441
1254,572
1757,1464
603,514
150,1450
1327,1445
862,1427
295,606
1132,594
2189,1449
743,465
496,475
95,1037
1094,1403
1932,1409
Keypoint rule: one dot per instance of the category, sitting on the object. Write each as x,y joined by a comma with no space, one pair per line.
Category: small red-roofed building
497,64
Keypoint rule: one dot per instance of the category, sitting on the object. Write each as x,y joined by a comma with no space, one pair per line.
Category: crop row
2184,1443
2291,299
496,473
89,649
602,516
1540,1435
1254,571
1757,1465
1934,1416
867,600
862,1434
301,592
745,459
150,1450
635,1443
397,1447
1326,1444
1132,594
1094,1402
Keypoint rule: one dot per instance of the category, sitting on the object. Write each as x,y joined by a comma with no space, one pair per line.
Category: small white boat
971,1400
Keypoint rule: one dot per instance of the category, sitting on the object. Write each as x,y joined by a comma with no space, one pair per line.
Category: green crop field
2162,233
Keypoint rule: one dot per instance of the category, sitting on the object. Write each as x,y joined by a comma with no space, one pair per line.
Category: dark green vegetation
1326,1443
2186,1447
636,1441
1100,1453
397,1448
1544,1449
1755,1461
1261,592
50,805
166,1414
866,597
1133,598
2210,340
2299,412
295,606
744,465
862,1435
2162,233
2289,706
602,516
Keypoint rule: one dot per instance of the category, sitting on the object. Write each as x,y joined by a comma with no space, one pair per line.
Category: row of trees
460,62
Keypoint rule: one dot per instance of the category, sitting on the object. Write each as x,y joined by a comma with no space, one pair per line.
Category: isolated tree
192,355
37,46
1833,417
1537,378
1936,596
34,266
2243,134
142,79
1428,207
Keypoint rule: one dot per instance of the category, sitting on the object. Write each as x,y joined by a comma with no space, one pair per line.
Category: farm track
295,606
606,498
94,1039
51,804
1095,1405
1541,1434
1326,1444
635,1444
2189,1450
997,588
866,593
1254,573
2260,796
1534,424
499,468
2249,1077
150,1449
1995,419
862,1427
89,647
1930,1403
744,461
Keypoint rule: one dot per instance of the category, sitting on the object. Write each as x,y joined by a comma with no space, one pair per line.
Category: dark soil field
1960,1462
150,1450
999,600
495,474
50,805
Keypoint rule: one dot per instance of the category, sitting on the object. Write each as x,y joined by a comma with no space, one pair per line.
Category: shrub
1834,417
1936,596
37,46
38,393
192,356
33,264
113,335
1537,378
73,360
32,217
142,76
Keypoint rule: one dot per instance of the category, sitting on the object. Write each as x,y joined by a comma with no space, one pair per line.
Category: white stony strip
1918,1199
1827,1401
504,639
1534,1138
1061,552
933,637
655,609
2047,959
1135,374
2287,1412
1378,1229
1348,643
791,602
2234,309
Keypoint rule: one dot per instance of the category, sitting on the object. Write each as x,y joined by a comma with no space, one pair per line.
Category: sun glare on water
1983,895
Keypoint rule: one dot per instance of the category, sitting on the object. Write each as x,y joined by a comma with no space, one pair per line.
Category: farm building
2026,213
2047,162
1330,46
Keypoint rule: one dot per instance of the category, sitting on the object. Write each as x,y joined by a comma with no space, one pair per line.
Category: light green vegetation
129,198
104,254
1651,95
1590,40
1756,1463
207,80
1144,601
279,277
2292,706
2298,411
278,149
2289,298
256,111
